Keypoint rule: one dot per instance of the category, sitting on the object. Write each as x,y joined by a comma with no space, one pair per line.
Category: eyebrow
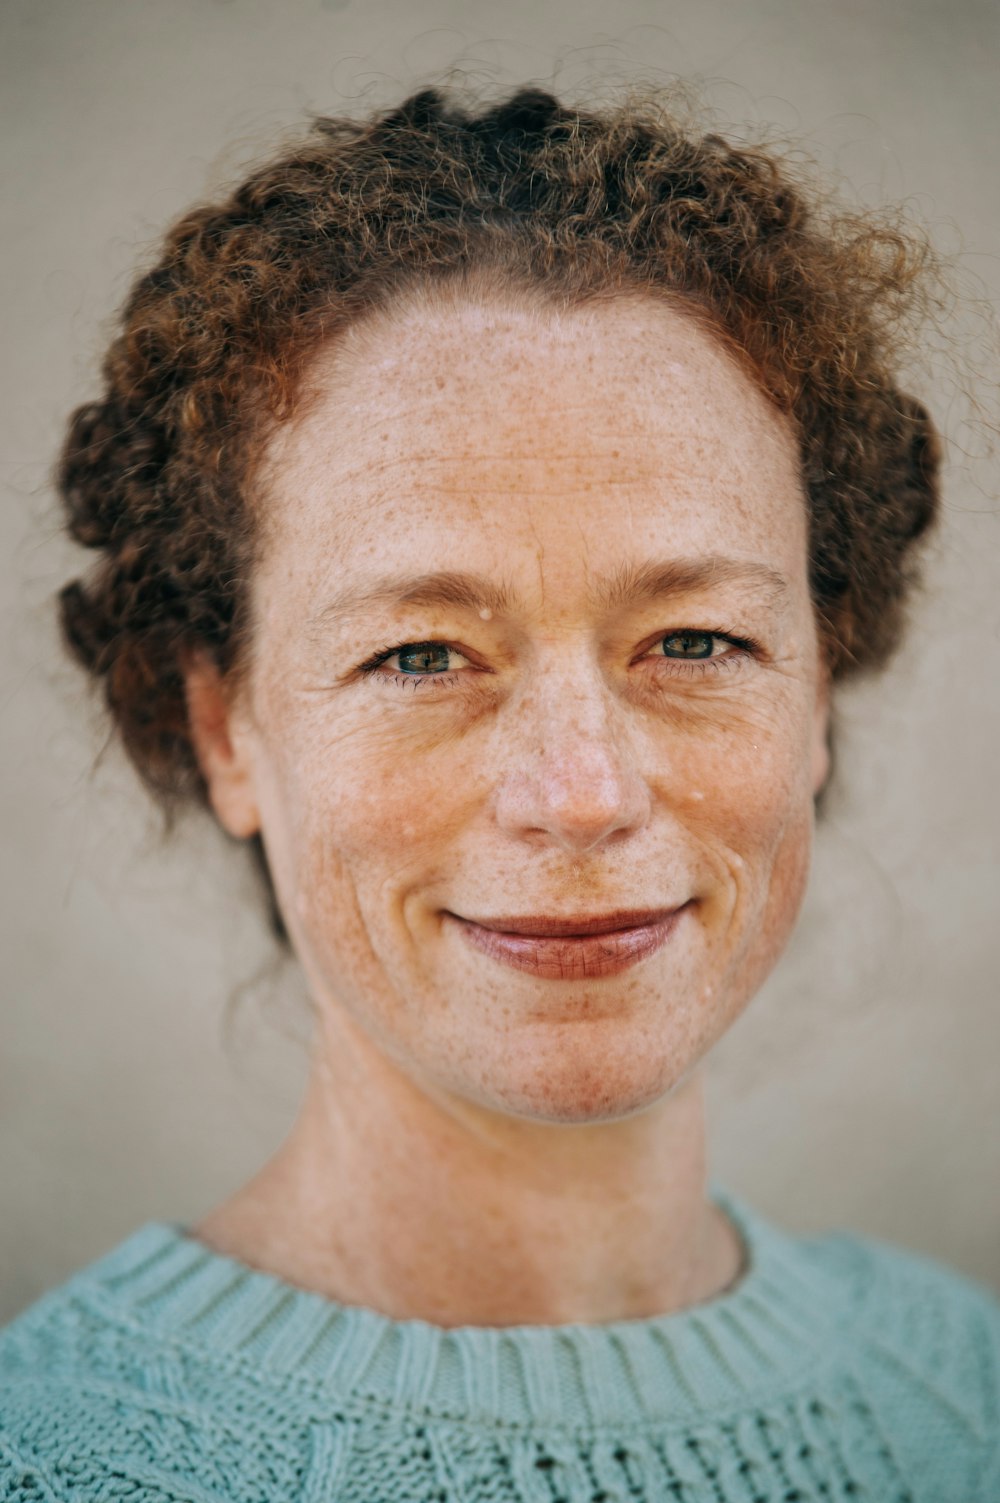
630,584
471,592
682,576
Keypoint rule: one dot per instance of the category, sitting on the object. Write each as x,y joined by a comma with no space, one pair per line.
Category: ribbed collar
784,1316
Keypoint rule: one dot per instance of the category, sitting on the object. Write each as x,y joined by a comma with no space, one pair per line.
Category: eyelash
746,648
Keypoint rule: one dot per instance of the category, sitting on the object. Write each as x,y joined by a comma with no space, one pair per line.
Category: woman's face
571,551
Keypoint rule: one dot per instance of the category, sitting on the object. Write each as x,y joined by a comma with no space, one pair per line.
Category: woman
487,506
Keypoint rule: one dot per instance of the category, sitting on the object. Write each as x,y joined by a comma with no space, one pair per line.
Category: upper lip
580,923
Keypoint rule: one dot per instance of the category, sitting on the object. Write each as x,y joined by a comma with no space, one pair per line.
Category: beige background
860,1089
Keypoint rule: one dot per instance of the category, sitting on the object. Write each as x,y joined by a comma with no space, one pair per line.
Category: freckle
485,614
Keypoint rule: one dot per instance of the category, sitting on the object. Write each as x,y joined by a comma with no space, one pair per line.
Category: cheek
347,815
742,788
748,776
778,900
755,831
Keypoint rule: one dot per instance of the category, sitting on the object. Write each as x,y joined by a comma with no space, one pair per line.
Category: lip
572,948
573,925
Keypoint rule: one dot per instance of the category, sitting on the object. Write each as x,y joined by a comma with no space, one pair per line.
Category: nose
572,775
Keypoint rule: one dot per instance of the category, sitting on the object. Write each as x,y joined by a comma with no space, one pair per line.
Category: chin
570,1084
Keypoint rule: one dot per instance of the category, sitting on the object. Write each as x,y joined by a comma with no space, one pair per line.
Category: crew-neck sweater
837,1368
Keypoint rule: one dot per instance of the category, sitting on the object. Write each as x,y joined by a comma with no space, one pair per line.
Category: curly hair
565,203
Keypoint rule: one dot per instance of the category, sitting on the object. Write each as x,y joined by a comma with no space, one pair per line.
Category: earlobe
221,748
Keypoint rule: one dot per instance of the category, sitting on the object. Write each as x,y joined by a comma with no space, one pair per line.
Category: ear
221,747
821,759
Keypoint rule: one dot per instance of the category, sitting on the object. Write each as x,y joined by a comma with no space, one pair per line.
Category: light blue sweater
837,1370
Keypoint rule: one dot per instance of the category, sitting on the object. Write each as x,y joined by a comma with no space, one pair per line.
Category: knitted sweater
838,1369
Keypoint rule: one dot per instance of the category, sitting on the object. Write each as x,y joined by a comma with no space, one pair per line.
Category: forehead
621,420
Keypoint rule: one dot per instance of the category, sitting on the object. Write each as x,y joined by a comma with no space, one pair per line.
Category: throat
455,1233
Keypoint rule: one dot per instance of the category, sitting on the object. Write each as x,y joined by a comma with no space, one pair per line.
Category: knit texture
838,1369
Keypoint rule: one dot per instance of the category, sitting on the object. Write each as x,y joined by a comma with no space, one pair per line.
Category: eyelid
744,648
721,634
377,659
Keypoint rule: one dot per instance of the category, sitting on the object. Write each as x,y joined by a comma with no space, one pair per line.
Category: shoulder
98,1402
885,1302
58,1396
924,1349
944,1321
903,1350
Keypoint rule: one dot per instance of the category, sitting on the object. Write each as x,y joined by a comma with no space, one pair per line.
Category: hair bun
530,111
421,110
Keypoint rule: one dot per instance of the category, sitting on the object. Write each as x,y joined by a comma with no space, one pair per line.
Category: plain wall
859,1090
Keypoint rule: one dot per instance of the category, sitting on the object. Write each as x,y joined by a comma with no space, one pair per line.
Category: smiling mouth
573,948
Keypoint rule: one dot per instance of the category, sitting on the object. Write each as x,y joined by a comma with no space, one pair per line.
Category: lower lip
580,958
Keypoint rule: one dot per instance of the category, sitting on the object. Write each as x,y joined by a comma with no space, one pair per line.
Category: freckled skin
565,767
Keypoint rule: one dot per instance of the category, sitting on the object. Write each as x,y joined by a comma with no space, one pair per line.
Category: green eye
689,644
423,657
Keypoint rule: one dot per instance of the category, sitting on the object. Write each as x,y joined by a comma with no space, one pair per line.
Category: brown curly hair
567,203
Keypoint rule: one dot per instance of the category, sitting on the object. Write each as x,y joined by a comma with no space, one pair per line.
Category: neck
421,1207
